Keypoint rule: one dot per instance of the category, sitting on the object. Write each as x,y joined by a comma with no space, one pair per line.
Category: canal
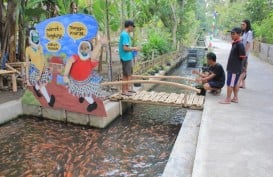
137,144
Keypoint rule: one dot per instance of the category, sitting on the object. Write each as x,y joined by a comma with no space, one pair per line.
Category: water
137,144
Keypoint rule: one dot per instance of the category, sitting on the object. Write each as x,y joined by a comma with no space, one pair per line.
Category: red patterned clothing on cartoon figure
82,69
80,77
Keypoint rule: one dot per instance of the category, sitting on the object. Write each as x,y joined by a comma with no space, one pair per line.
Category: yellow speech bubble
54,31
53,46
76,30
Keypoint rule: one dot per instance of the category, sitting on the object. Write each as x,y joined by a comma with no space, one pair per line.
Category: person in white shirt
247,39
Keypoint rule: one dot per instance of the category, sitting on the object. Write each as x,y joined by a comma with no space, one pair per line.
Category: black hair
128,23
248,25
211,56
29,30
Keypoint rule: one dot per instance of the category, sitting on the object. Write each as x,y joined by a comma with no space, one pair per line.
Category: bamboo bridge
185,100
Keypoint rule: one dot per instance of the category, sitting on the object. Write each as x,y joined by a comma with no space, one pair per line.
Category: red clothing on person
82,69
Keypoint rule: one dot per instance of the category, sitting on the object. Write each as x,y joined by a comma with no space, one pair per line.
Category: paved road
236,140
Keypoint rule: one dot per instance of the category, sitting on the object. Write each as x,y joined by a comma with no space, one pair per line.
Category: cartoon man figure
37,74
78,75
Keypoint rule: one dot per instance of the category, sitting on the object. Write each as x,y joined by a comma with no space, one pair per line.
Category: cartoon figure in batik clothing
37,74
78,75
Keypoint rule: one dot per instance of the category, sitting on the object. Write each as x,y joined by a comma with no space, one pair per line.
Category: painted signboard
59,68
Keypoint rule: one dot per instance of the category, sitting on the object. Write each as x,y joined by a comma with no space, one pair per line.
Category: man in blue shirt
126,55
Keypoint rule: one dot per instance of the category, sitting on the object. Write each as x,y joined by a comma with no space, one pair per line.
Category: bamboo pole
165,77
182,86
13,69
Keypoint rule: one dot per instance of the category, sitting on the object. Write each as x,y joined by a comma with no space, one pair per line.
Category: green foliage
257,10
99,9
230,15
158,42
151,71
262,30
189,29
29,98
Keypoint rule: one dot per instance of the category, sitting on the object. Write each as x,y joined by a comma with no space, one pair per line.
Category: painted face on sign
84,50
34,38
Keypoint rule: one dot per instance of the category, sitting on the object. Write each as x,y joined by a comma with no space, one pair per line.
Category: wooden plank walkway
191,101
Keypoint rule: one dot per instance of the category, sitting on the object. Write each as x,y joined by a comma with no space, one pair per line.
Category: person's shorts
127,68
216,85
232,79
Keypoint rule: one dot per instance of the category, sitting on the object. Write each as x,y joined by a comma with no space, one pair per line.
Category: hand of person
28,83
38,77
198,80
135,49
66,80
195,72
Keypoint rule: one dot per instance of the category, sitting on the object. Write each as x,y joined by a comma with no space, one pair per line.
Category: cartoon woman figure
78,75
37,74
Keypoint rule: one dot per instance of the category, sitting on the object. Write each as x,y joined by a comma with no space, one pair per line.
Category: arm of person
67,69
202,75
242,52
207,78
96,51
247,48
249,41
127,48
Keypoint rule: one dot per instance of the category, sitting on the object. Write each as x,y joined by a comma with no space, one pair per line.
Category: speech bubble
76,30
69,45
53,46
54,31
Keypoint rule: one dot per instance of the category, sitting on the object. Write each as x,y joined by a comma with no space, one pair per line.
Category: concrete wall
264,52
10,110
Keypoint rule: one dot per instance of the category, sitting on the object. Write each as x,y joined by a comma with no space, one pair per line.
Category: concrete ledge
54,114
10,111
180,163
33,110
113,110
77,118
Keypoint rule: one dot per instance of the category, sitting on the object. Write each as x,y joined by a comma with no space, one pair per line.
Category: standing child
234,66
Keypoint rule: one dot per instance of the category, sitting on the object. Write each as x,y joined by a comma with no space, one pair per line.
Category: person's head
235,33
245,25
73,8
211,58
34,39
129,25
84,50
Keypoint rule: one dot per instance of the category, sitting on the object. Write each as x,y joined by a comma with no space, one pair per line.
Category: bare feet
127,94
234,100
225,101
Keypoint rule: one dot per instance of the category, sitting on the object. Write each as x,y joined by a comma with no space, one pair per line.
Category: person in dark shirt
214,79
234,66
